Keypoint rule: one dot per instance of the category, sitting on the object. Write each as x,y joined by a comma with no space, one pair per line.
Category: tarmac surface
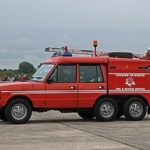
56,131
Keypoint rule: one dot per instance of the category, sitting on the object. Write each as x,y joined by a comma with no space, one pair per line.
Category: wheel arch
142,97
21,97
100,97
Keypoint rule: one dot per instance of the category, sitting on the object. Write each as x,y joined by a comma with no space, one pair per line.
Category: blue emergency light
63,53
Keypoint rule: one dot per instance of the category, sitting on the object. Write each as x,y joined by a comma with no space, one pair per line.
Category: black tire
86,114
101,114
2,115
129,109
18,117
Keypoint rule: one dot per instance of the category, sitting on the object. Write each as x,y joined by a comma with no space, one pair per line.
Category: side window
64,74
53,77
90,73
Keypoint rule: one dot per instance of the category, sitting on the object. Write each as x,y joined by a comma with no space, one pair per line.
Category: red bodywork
121,77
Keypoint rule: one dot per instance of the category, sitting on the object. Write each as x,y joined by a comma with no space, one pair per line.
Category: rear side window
90,73
64,74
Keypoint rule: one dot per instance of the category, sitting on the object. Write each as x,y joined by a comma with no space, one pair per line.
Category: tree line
24,68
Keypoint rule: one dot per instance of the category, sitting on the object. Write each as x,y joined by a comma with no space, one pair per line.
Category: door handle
100,87
72,87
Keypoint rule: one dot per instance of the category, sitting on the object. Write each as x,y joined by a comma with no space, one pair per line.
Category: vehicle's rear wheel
18,111
134,109
2,115
106,109
86,114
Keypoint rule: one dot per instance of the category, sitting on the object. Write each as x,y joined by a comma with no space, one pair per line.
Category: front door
61,88
91,85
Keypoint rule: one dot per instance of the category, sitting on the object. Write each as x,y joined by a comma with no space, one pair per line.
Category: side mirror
50,81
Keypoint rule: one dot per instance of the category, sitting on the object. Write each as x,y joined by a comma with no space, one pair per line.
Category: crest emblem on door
130,82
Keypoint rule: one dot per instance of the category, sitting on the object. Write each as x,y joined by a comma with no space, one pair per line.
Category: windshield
42,72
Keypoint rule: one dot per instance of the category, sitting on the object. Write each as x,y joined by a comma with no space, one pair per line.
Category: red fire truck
103,87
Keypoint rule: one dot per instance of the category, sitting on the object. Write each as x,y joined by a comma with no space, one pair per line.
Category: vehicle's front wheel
134,109
106,109
2,115
18,111
86,114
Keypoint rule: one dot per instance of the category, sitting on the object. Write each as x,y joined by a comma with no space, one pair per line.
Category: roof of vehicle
72,60
127,60
94,60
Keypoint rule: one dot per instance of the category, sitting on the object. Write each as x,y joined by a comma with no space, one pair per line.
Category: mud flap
148,110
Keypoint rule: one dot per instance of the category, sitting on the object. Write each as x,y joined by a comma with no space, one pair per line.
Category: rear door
92,83
61,89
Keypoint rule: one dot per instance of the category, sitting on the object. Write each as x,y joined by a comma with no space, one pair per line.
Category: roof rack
64,51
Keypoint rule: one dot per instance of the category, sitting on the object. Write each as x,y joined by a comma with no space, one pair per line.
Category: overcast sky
28,26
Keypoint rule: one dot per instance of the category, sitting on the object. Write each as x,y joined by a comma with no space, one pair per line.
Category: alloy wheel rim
107,110
19,111
135,109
